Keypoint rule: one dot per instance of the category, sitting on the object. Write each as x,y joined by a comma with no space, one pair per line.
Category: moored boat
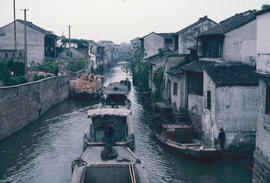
99,121
192,149
126,168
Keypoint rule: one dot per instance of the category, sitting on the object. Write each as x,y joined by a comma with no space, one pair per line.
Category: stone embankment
22,104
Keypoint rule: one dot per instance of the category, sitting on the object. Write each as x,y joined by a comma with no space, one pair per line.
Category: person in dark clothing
103,100
221,139
110,135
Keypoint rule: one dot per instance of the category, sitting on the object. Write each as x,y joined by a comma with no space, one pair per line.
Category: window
267,104
213,48
6,55
208,105
195,84
13,55
174,88
20,54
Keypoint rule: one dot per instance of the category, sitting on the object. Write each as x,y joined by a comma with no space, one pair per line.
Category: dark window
168,43
13,55
208,106
267,106
195,84
213,48
174,88
6,55
20,54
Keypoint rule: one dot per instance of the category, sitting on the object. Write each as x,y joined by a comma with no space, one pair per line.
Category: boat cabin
97,134
116,94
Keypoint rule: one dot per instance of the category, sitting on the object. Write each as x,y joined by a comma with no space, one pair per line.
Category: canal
43,151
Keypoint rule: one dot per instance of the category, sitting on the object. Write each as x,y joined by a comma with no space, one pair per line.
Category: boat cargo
86,87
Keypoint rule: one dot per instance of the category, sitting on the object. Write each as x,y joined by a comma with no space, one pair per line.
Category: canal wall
22,104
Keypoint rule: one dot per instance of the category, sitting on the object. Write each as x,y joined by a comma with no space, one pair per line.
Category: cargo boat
126,168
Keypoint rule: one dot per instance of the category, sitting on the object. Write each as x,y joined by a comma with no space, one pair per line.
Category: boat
86,87
99,121
116,95
91,168
188,147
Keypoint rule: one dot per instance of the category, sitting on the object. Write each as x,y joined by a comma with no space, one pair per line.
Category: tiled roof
93,42
198,66
231,23
263,11
37,28
166,35
233,75
196,23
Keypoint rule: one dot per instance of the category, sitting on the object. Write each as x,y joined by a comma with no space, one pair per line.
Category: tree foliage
77,65
139,68
46,66
158,82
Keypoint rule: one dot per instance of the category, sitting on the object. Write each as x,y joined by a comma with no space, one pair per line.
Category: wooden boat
192,150
99,120
126,168
116,95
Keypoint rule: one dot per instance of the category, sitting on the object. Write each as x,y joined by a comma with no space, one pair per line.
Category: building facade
262,153
40,43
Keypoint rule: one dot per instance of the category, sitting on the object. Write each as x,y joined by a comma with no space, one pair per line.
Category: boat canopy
109,111
116,88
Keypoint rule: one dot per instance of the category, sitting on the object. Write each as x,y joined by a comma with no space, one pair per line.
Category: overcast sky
121,20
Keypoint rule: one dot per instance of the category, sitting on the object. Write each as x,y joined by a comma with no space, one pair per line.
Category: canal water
43,151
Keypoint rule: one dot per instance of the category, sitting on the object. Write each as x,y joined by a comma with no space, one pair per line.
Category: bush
46,66
16,80
77,65
37,77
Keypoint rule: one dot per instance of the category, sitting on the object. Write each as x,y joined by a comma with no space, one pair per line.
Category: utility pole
14,14
25,42
69,40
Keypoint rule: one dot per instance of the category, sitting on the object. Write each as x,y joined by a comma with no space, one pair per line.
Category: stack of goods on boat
174,131
88,86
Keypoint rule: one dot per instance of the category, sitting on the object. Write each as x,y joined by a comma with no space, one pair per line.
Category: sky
121,20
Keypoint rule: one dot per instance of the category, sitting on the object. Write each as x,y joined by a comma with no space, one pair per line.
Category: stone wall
22,104
262,153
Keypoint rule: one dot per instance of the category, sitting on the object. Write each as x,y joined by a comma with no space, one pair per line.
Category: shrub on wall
46,66
17,68
77,65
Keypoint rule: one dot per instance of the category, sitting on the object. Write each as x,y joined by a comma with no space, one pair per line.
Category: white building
40,42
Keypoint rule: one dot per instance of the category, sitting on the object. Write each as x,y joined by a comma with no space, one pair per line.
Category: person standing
110,135
221,139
